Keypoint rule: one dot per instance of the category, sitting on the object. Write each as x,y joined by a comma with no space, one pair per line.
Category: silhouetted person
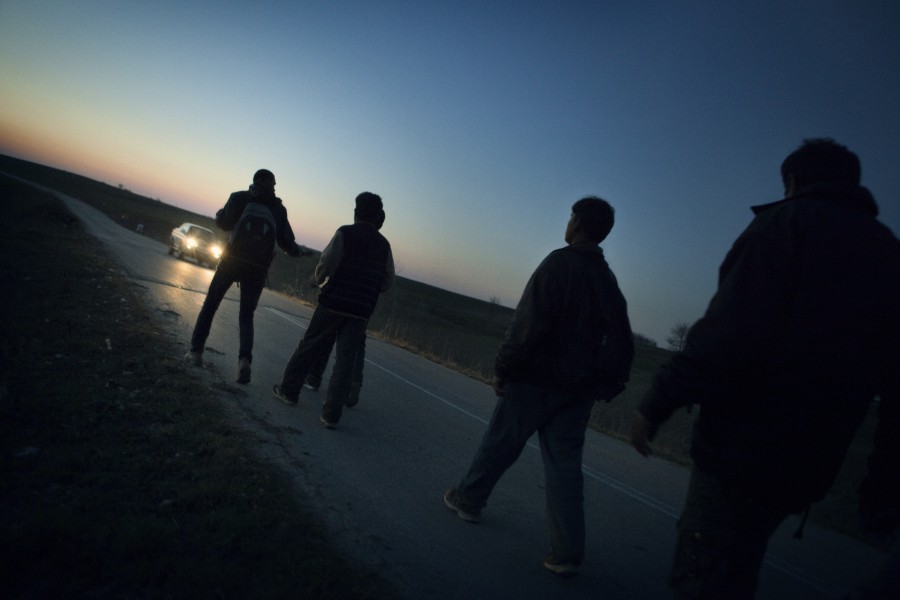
317,371
801,335
355,267
257,220
569,344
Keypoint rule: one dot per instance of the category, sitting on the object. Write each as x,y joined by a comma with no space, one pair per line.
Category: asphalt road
377,480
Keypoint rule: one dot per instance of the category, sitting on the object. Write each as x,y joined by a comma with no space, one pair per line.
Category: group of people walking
802,334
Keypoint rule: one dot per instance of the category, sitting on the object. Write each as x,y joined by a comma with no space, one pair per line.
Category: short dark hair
369,208
818,160
596,215
263,176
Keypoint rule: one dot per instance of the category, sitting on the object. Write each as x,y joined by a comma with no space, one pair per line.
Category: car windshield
202,234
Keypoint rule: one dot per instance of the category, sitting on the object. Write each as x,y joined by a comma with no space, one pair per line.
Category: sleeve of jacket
330,259
389,273
285,235
530,323
725,346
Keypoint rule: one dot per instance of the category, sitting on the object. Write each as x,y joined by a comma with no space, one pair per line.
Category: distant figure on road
802,333
569,345
355,267
257,220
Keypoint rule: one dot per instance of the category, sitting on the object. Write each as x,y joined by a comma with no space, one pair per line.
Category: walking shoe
455,503
310,386
194,358
312,383
244,371
563,569
281,395
328,424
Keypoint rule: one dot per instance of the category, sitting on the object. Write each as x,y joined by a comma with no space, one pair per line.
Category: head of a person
369,209
592,219
264,179
819,160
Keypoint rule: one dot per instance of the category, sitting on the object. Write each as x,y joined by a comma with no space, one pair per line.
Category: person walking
801,335
257,221
354,269
569,344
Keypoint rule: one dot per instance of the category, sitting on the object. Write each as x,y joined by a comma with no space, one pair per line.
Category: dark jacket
570,309
802,333
228,216
362,268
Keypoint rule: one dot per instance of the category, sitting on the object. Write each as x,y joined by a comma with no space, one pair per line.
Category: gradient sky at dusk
479,123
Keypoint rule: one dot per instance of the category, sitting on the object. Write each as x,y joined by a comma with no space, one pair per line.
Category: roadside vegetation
121,474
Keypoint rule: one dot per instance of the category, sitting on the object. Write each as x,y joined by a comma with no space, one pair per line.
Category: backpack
253,236
594,355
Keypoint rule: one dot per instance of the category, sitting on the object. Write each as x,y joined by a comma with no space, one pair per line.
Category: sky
479,123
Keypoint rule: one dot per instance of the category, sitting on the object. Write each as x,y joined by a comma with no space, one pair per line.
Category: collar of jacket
586,246
852,196
259,194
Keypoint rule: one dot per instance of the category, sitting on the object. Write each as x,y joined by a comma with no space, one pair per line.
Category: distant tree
642,340
677,336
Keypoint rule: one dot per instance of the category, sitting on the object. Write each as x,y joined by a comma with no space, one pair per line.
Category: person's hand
642,431
499,386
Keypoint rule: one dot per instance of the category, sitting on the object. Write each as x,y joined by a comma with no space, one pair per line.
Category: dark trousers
349,338
560,421
252,279
722,539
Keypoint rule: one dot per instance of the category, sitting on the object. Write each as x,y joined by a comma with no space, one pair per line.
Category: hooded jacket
801,335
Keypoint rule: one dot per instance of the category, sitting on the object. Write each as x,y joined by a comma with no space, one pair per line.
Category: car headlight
216,250
191,243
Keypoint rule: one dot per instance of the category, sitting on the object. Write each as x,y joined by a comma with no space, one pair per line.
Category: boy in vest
355,267
257,220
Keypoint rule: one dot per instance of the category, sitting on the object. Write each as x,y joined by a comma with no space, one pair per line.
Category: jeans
560,421
722,539
251,280
349,335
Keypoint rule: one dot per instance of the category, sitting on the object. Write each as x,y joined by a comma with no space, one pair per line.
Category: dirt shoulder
123,475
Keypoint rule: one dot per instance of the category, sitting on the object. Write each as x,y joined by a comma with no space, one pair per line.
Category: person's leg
516,417
319,332
722,539
252,282
351,337
218,287
562,446
357,379
314,377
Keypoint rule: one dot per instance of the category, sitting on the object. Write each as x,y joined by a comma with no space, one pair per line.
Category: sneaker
563,569
328,424
194,358
243,371
454,503
281,395
310,386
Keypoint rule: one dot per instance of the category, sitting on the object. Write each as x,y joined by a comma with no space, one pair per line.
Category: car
197,242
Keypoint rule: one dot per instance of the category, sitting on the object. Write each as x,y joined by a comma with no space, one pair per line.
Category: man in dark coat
800,337
569,344
247,269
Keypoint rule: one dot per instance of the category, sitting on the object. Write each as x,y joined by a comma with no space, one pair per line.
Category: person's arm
228,215
330,259
389,275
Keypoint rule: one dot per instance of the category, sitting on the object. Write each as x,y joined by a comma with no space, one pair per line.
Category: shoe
281,395
328,424
194,358
244,371
454,503
563,569
310,386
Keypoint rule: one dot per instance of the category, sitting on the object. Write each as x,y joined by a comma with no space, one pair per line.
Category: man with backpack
569,345
257,221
